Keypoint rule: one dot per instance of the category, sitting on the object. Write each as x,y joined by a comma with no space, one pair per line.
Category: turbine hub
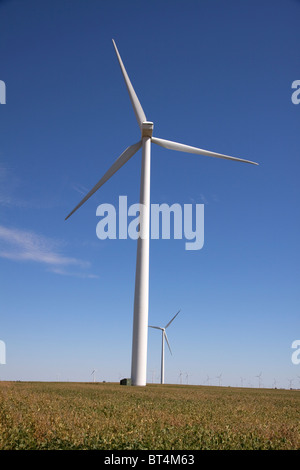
147,129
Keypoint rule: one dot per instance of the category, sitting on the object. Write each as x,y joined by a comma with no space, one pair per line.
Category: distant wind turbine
187,375
180,377
164,338
93,374
219,378
291,383
259,379
153,374
141,296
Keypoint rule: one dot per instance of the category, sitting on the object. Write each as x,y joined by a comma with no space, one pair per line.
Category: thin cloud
82,190
12,188
22,245
64,272
8,184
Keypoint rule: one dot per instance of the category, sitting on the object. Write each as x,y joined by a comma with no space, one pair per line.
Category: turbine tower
141,296
291,383
259,379
180,377
93,374
164,338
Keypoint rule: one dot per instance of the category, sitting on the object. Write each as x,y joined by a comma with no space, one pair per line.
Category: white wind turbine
259,379
93,374
164,337
180,377
141,296
187,375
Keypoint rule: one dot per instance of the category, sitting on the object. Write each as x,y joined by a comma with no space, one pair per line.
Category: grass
36,415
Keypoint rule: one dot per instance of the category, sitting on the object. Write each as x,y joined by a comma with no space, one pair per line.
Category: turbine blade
168,144
166,338
156,327
172,319
123,158
138,110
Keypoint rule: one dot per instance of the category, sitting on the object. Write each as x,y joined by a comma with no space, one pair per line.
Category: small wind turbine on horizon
164,338
187,375
141,296
93,374
259,379
180,377
153,375
291,383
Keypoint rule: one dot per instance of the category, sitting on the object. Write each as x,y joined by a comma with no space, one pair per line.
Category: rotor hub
147,129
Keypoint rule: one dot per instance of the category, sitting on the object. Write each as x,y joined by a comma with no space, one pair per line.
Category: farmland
48,415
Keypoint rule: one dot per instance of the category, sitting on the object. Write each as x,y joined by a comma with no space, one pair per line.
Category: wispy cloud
82,190
22,245
81,275
13,188
8,184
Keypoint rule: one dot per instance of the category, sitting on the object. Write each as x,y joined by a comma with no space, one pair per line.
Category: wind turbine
141,296
153,375
187,375
180,377
259,379
93,374
219,378
164,337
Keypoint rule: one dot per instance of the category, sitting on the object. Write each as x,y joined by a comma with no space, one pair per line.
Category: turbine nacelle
147,129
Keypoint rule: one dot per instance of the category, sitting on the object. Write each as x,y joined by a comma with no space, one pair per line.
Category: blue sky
212,74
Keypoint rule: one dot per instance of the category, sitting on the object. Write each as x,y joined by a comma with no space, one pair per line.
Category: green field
42,415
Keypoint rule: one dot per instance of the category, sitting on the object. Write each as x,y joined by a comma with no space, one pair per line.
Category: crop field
48,415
